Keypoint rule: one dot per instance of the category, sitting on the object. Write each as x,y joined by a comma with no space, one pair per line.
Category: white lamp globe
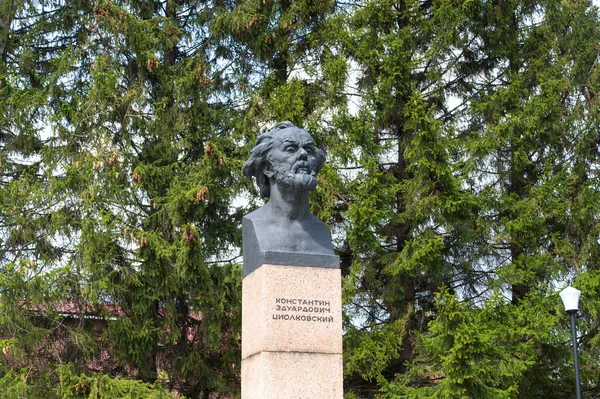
570,298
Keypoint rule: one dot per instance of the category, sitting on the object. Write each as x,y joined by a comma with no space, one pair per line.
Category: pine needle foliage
461,189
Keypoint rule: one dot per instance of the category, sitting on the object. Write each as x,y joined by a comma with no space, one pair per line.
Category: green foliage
102,386
482,351
20,384
461,189
117,191
460,168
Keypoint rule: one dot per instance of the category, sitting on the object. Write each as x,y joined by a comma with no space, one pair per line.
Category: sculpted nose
303,154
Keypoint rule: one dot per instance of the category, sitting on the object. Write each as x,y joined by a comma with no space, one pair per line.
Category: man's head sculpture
285,163
286,155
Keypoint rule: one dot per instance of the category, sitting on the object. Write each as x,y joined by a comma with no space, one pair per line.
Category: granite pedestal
292,333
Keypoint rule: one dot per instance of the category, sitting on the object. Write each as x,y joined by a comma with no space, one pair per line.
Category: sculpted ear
267,169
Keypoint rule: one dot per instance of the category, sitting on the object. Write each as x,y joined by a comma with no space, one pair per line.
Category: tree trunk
7,13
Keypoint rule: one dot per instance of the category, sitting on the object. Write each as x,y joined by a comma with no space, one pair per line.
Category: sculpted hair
260,154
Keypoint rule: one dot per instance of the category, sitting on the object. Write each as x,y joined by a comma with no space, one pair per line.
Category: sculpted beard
293,179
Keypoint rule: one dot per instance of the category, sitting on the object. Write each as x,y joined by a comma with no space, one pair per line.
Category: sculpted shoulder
258,215
308,235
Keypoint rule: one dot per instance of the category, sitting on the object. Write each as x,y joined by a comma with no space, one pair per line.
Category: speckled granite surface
292,333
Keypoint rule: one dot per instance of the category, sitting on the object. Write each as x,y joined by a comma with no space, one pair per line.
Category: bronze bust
285,163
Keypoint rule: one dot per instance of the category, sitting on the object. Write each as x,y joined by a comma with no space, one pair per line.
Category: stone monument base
292,333
292,375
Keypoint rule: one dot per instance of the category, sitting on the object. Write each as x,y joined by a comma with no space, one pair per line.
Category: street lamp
570,298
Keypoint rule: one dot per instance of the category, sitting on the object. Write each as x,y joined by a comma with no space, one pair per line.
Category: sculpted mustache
302,164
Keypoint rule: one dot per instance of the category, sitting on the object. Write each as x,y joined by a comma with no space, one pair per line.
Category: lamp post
570,298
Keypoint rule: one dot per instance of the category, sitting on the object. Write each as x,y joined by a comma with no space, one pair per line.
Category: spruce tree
120,175
460,224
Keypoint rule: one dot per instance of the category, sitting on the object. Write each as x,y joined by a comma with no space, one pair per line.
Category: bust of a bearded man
285,163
